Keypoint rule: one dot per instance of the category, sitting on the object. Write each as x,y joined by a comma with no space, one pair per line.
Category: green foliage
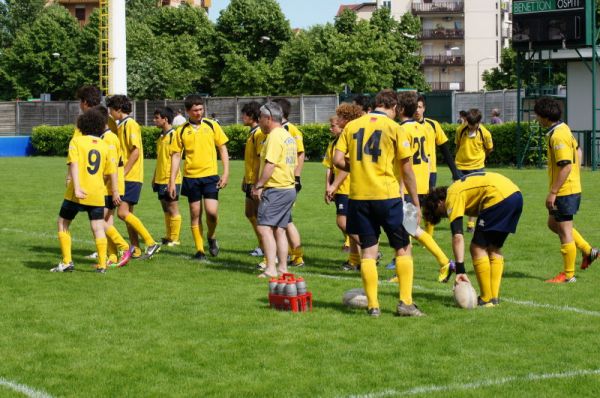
244,77
33,67
316,138
17,14
51,140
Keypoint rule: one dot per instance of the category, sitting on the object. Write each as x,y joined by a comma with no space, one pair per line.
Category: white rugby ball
355,298
465,295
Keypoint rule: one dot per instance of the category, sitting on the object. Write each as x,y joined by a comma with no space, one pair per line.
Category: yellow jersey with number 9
94,160
373,143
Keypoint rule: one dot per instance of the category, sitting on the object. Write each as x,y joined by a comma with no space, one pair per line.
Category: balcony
442,34
443,60
447,86
455,7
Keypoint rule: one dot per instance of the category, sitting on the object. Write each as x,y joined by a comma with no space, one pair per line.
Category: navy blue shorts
108,202
432,180
68,210
495,223
341,204
133,190
467,172
367,217
197,188
163,192
566,207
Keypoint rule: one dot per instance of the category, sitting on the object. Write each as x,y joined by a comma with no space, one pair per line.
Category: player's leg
167,218
251,211
295,244
134,224
560,221
174,222
196,226
211,208
496,270
430,244
97,224
67,213
282,249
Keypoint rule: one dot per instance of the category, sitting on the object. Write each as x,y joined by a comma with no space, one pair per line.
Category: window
80,13
387,4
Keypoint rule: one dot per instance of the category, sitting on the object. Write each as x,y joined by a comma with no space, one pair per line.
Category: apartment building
81,9
460,38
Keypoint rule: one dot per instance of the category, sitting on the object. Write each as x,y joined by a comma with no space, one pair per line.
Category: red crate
300,303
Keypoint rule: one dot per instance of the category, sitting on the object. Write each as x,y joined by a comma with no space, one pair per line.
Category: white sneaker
94,255
257,252
62,267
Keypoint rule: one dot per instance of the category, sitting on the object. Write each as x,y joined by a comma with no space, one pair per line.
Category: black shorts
432,180
248,191
163,192
566,207
68,210
341,204
495,223
133,190
108,202
198,188
367,217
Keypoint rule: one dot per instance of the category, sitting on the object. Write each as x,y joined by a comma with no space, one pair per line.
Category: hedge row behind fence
53,141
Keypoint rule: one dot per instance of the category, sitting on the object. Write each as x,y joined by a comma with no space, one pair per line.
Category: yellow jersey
254,144
77,133
199,143
163,159
94,160
130,137
476,192
471,147
344,188
562,147
296,134
420,159
114,147
435,138
373,143
280,149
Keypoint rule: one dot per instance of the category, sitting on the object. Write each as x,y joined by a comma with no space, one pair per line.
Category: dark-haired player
132,152
497,203
473,144
254,144
162,173
377,152
89,160
200,138
564,194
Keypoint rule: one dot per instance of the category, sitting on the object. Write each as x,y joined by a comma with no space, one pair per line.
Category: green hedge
53,141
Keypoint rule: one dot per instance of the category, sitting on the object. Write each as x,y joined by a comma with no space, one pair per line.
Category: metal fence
503,100
19,118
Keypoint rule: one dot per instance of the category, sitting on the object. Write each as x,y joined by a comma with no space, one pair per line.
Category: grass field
174,327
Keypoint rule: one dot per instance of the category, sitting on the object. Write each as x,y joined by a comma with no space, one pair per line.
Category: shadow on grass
520,275
56,250
39,265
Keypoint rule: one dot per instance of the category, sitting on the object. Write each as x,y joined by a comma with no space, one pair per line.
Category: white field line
23,389
479,384
53,236
533,304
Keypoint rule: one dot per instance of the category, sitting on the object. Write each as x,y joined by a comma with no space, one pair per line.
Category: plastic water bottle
280,289
272,285
290,288
301,286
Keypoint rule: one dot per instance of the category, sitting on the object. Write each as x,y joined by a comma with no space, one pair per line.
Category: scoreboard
551,24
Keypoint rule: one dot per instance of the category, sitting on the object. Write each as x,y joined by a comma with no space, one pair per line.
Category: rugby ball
465,295
355,298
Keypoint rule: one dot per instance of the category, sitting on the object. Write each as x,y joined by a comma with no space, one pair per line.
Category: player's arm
225,161
298,170
458,248
175,161
340,161
328,174
268,170
133,157
410,183
114,181
449,159
564,169
74,174
335,185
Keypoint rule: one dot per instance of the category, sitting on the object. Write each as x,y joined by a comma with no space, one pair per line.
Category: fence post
18,117
237,110
315,116
145,112
504,105
301,108
484,112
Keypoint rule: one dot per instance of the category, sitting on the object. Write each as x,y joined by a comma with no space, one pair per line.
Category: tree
345,23
140,9
244,77
44,56
15,14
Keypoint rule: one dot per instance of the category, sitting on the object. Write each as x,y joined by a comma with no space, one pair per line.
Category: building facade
460,38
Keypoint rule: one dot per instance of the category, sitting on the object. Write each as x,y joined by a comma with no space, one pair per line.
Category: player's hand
550,199
80,193
298,184
461,278
116,198
257,193
419,215
223,181
67,181
172,191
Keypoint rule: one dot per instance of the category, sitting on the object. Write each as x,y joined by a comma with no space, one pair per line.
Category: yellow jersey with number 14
373,143
94,160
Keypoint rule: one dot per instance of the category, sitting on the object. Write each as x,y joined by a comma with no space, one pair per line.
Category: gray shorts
275,207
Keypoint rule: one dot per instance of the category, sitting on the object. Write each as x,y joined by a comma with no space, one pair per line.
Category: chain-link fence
19,118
